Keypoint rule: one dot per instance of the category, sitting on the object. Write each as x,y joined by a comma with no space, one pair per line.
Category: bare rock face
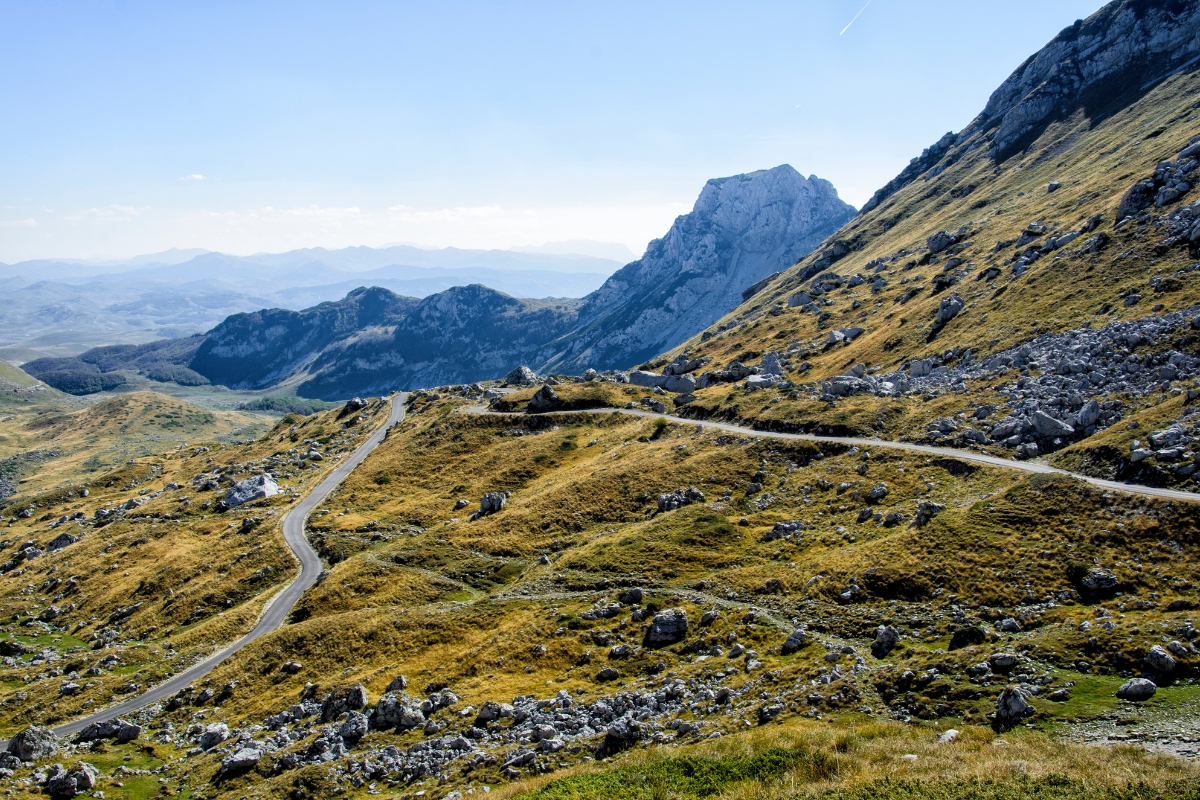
742,229
1125,39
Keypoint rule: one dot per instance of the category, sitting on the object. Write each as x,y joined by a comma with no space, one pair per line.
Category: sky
245,127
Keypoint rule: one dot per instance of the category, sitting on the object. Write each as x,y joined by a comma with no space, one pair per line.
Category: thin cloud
195,176
112,213
856,16
18,223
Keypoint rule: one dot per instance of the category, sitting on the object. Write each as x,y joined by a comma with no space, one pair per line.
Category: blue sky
133,127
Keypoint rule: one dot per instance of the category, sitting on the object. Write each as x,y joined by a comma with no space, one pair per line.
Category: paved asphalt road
277,610
950,452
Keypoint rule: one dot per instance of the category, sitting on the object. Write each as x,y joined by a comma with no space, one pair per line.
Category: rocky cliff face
1101,64
741,229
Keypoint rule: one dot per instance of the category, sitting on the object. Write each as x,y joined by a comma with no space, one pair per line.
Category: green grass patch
690,776
1051,787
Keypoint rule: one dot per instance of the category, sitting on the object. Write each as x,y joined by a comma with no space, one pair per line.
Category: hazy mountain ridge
742,228
63,306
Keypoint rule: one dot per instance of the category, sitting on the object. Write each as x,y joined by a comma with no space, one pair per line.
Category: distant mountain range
741,230
60,307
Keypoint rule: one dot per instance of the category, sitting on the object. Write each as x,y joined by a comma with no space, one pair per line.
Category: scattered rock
521,376
544,400
667,627
34,744
62,782
795,640
632,596
1011,709
680,498
1160,661
1137,689
240,761
948,309
213,735
258,487
492,502
886,639
342,700
60,541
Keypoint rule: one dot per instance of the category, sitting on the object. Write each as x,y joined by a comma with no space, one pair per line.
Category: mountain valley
804,502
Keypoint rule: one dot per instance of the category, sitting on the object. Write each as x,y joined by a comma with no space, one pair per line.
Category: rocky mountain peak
741,229
1099,64
1113,55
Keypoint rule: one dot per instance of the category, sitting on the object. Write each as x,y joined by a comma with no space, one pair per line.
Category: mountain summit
742,229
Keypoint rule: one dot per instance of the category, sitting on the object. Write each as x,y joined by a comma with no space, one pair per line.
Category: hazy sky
133,127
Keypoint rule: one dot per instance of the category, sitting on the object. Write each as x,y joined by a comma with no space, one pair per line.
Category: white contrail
856,16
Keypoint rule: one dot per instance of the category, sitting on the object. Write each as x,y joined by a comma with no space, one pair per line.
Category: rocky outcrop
34,744
1121,49
63,782
258,487
741,230
1099,64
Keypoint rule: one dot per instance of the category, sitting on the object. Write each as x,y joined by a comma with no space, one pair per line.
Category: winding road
947,452
278,608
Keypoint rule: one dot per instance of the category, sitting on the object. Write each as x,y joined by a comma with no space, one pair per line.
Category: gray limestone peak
742,229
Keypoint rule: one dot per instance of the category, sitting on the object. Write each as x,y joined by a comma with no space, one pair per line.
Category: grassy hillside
1093,161
71,444
14,378
158,575
502,607
958,237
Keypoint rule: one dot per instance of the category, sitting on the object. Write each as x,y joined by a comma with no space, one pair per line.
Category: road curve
950,452
277,610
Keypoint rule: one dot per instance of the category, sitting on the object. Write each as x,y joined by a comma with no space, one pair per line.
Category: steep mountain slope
742,229
1040,260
